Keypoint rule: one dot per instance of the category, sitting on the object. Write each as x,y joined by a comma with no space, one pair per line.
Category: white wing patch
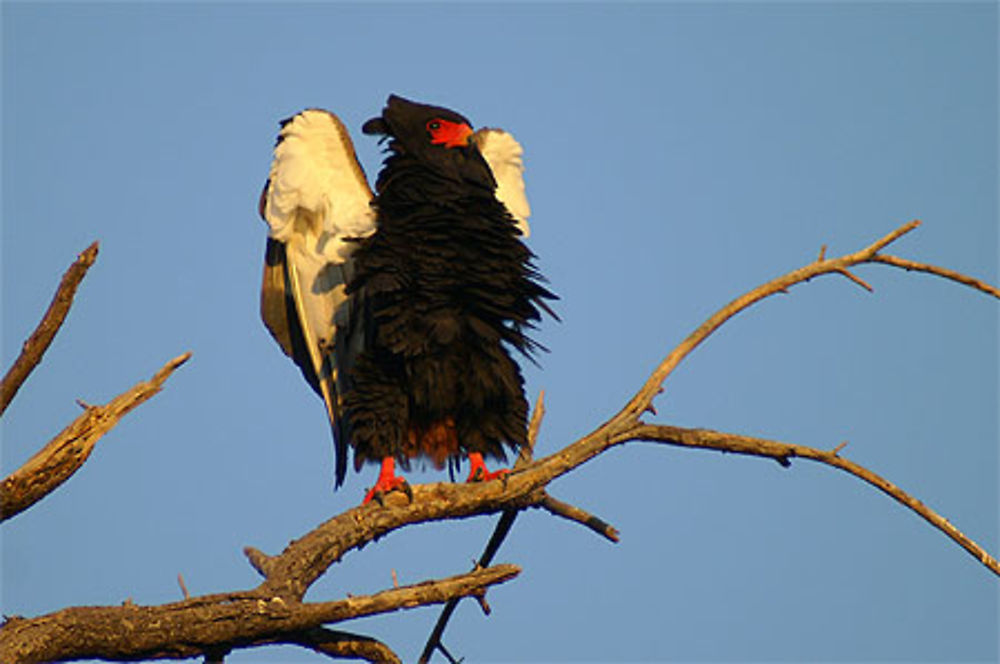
503,154
315,201
317,190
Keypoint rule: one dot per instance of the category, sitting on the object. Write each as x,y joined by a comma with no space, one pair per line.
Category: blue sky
677,155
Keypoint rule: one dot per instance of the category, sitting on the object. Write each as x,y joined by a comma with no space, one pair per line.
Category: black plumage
443,291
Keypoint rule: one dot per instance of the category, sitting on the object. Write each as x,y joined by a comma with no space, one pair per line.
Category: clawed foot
478,471
387,482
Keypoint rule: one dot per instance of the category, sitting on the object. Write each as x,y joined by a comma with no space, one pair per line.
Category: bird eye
434,125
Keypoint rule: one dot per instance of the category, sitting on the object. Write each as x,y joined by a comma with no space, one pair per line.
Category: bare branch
640,402
534,426
783,452
66,453
562,509
38,342
274,611
210,623
856,279
939,271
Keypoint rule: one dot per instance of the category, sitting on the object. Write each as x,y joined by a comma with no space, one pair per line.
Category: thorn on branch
180,582
822,253
836,451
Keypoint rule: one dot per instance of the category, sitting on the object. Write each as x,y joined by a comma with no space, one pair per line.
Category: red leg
387,481
478,471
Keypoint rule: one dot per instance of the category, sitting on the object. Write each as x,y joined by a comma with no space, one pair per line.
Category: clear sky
677,155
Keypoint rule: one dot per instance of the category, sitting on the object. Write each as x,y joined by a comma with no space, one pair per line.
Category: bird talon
478,471
387,482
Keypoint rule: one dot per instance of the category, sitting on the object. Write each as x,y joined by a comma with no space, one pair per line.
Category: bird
404,308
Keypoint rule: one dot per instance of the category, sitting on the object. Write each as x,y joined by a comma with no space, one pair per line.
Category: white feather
503,154
317,198
317,191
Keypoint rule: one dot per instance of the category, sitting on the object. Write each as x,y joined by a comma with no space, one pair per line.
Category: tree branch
38,342
783,452
343,645
274,611
213,622
562,509
822,265
66,453
944,272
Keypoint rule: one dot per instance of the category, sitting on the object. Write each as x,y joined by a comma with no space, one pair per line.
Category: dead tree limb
626,426
211,623
275,612
784,452
66,453
38,342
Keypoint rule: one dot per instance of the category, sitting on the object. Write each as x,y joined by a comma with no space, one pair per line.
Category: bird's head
438,137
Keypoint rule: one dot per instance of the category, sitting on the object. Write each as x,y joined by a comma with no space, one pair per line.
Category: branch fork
274,612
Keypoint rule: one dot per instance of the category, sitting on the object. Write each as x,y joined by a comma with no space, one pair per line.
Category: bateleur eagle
401,309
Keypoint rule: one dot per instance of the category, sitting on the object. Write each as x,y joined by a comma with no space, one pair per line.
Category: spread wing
503,154
315,201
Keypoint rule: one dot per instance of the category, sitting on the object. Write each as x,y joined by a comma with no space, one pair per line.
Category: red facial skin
449,134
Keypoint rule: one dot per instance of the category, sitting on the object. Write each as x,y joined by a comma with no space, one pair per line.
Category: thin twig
908,265
38,342
184,588
856,279
66,453
570,512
